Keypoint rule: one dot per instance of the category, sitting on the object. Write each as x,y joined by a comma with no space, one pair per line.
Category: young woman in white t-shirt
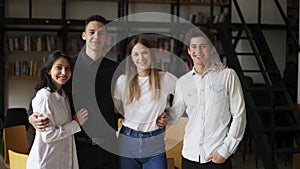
140,96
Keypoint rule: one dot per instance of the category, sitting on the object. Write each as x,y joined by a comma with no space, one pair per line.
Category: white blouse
54,147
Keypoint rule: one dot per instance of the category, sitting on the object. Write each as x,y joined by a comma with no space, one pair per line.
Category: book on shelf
203,19
199,18
22,68
32,43
113,43
75,43
167,44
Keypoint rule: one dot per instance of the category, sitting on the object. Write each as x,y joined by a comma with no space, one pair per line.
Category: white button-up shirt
210,100
54,148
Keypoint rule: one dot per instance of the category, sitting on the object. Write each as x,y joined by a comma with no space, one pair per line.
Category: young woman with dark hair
54,147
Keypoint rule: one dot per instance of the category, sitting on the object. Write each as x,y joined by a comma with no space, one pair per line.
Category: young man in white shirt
215,106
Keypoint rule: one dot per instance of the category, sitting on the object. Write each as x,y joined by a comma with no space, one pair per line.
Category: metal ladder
271,114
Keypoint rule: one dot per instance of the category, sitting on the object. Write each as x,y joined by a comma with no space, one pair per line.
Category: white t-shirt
141,114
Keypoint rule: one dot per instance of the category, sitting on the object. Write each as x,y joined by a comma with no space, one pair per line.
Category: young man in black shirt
96,144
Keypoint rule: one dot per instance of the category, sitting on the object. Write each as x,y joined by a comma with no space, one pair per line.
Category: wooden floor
236,161
1,163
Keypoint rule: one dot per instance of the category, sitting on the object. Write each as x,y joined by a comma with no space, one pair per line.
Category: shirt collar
58,96
211,68
87,59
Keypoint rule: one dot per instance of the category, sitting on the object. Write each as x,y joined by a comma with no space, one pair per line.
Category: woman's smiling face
141,57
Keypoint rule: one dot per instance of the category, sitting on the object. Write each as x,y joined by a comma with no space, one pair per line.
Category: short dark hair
201,31
97,18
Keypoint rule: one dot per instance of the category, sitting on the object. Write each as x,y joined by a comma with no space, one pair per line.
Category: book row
203,18
31,43
163,44
22,68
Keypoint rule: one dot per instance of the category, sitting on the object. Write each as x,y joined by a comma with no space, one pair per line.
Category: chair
15,139
17,160
16,116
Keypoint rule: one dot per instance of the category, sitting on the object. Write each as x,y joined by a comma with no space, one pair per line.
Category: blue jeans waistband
139,134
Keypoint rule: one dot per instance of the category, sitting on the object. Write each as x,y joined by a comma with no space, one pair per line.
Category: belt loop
129,131
153,138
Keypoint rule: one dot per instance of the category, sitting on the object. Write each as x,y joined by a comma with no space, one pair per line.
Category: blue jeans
155,162
142,150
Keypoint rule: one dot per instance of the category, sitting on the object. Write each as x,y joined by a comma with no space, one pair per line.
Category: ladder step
259,71
242,37
253,71
287,150
245,53
266,88
276,108
282,129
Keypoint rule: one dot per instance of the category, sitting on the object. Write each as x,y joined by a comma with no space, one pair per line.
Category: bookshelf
30,32
25,52
207,12
27,19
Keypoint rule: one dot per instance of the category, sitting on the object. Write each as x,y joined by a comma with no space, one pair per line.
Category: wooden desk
173,138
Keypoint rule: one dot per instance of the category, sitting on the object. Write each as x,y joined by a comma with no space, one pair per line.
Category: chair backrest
15,117
15,139
17,160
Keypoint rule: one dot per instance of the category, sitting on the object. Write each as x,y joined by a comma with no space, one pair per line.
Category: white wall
276,39
52,9
270,14
20,93
83,9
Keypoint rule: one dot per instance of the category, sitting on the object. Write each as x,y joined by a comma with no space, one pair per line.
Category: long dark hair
44,79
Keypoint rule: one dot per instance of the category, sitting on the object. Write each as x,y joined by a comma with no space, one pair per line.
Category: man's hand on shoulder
220,66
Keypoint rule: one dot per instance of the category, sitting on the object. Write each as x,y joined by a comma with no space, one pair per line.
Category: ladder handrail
251,42
287,24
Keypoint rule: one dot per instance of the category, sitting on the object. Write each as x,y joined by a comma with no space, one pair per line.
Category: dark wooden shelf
152,1
27,52
23,77
184,2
